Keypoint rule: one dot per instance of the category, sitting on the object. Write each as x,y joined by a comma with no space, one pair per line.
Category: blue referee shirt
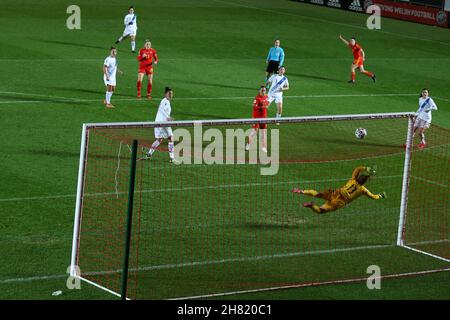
276,54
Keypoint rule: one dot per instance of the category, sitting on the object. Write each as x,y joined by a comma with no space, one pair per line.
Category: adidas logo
334,3
355,6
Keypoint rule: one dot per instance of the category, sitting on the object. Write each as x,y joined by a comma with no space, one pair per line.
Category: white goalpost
192,215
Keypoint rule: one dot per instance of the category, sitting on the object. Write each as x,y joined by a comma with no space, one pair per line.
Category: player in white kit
278,83
162,133
109,76
423,116
130,28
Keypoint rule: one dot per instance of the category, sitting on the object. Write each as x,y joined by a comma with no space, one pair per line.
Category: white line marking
187,264
65,99
444,99
100,287
38,95
202,60
39,197
311,284
432,182
425,253
190,188
242,259
35,278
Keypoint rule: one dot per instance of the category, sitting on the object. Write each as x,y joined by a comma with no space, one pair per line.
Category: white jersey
164,110
277,82
425,108
111,66
130,21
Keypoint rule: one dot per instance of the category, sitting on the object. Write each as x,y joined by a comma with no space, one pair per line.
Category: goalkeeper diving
336,199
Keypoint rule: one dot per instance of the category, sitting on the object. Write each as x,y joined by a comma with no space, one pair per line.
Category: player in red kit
260,105
358,59
147,57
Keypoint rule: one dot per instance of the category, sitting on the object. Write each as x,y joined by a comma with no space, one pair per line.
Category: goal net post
225,220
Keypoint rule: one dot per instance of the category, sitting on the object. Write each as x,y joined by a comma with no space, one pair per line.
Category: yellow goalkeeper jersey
352,189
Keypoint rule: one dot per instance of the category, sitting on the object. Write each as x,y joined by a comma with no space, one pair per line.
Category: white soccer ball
360,133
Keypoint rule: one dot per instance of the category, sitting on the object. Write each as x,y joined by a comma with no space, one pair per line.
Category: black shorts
272,67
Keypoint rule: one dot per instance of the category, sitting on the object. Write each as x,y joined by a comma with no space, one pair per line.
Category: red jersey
148,60
356,49
259,106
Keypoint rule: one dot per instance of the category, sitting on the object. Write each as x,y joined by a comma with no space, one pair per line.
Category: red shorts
358,62
260,116
260,125
147,70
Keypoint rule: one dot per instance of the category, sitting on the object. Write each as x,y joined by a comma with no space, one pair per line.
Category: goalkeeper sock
316,208
171,155
133,45
153,147
312,193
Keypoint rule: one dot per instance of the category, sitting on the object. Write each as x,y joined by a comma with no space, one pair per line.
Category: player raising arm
130,28
147,57
359,57
162,133
423,116
336,199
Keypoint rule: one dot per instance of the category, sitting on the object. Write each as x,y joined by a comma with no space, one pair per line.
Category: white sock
108,97
154,146
133,45
278,115
171,155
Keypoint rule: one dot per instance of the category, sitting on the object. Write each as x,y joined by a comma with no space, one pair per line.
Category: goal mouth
216,223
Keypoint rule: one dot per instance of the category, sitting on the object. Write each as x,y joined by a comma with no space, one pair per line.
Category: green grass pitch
212,53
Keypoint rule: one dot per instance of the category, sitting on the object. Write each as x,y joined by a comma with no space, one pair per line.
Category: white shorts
111,82
163,132
420,123
129,31
278,97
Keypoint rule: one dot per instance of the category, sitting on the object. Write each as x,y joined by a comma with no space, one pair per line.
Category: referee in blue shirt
275,59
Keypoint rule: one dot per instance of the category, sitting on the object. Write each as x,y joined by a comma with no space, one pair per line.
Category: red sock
369,74
149,88
353,76
139,86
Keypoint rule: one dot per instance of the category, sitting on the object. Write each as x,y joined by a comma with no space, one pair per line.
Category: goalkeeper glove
383,195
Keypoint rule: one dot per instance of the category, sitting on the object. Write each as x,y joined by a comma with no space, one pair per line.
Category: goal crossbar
219,122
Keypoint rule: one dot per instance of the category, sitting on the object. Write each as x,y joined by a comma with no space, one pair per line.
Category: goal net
225,220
